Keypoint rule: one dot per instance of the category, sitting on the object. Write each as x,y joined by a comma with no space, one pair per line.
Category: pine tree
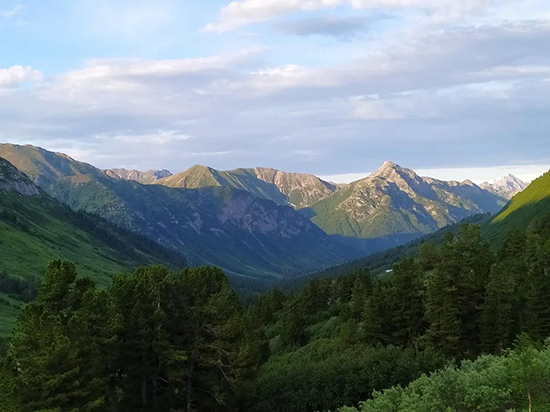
221,349
375,321
145,351
537,322
362,288
456,292
497,329
62,345
408,308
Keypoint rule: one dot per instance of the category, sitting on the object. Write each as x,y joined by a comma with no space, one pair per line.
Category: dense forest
442,323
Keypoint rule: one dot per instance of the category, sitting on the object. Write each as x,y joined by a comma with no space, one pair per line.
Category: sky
454,89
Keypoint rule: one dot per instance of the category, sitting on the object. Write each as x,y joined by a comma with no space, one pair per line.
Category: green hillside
232,229
379,263
532,203
527,206
35,229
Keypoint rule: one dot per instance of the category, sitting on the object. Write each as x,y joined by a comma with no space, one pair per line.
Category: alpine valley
258,224
264,228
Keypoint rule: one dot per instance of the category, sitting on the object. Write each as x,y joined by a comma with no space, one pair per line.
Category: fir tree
408,309
498,310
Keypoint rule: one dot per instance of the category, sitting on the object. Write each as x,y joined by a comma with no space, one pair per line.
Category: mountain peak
390,170
388,164
507,186
147,177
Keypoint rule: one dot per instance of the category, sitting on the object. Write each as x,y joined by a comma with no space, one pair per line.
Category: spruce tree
375,321
537,322
408,308
362,288
498,319
62,346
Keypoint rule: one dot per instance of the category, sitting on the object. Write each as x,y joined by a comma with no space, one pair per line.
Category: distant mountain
293,189
526,207
396,201
147,177
213,225
506,187
34,229
532,202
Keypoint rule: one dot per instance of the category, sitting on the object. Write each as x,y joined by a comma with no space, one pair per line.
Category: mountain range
392,202
221,226
396,201
258,222
293,189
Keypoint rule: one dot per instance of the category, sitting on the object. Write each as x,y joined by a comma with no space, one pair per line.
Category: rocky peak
147,177
468,182
507,186
301,189
406,179
387,167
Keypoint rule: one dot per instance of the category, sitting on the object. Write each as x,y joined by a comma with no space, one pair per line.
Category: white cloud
209,154
444,97
19,74
158,138
11,13
241,13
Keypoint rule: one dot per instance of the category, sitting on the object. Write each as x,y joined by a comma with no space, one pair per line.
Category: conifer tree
456,292
408,308
375,321
537,322
497,329
362,288
62,346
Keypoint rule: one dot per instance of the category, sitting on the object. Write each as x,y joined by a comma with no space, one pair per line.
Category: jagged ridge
394,200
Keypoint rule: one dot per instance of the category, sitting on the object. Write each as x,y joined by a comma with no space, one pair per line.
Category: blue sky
455,88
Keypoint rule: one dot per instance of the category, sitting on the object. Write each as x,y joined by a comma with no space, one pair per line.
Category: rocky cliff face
147,177
293,189
302,190
394,200
12,180
506,187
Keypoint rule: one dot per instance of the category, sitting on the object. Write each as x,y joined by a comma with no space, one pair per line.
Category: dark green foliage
324,375
408,310
456,291
519,381
24,289
154,341
498,319
157,340
59,357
